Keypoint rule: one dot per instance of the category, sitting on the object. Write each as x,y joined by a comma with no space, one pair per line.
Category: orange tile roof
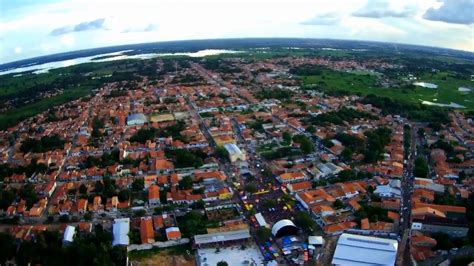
153,192
423,241
364,224
443,208
173,234
146,231
158,221
300,186
295,175
163,164
212,174
422,211
393,215
339,227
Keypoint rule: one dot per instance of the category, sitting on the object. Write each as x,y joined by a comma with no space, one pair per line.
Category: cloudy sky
30,28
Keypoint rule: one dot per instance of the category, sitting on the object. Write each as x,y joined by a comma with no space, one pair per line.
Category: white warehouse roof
120,230
232,148
261,220
69,233
364,250
221,236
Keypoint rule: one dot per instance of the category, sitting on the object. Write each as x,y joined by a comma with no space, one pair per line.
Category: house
292,177
82,205
454,227
173,233
314,196
300,186
154,195
322,210
147,235
387,191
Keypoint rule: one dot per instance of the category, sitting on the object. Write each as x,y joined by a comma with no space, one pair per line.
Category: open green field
447,91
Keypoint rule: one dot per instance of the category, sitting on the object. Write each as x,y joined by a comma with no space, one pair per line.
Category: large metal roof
364,250
120,230
221,236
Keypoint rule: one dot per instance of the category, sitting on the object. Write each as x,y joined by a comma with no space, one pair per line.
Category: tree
462,175
163,196
338,204
222,153
250,188
421,132
64,218
83,189
306,145
138,184
124,195
98,187
443,241
264,233
304,220
286,137
269,203
346,154
311,129
28,193
462,260
421,168
192,223
222,263
184,158
7,246
185,183
88,216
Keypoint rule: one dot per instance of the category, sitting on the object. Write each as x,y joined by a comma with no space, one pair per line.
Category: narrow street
403,256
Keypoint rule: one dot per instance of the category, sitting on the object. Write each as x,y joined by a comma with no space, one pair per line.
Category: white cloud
127,21
458,12
18,50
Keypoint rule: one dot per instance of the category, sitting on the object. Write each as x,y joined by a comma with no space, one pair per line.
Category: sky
30,28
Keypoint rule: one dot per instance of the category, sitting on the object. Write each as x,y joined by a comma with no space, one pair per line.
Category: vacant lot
174,256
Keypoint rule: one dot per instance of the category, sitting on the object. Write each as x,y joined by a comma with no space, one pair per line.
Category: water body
426,85
451,105
44,68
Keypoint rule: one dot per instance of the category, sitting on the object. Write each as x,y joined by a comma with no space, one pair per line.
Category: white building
136,119
234,152
69,233
261,220
120,230
387,191
364,250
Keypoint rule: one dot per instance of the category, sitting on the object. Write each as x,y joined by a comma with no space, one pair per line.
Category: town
240,161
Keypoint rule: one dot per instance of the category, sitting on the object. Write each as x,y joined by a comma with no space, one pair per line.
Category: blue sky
30,28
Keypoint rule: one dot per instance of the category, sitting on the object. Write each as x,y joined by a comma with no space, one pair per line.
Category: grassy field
446,92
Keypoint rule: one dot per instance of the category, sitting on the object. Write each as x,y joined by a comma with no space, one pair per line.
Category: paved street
403,256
